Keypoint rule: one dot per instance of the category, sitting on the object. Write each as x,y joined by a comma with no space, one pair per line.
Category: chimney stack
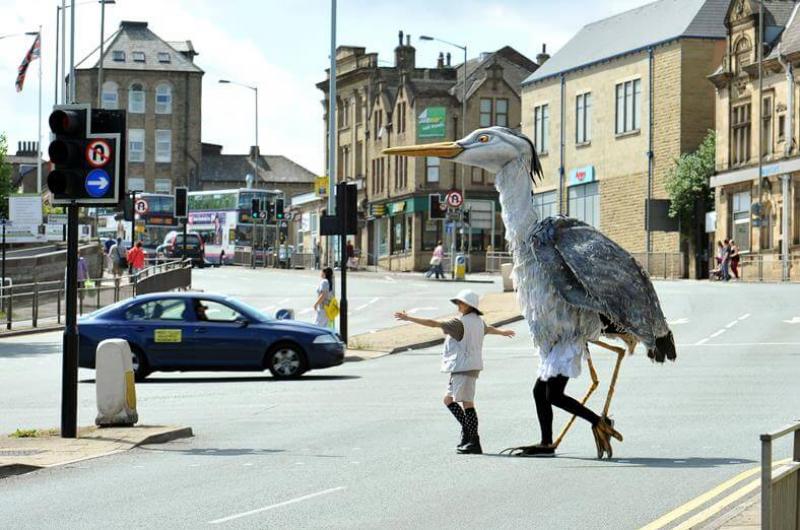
400,38
440,61
542,57
254,153
404,54
448,59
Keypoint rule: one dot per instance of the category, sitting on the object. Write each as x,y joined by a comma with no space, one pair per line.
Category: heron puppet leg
592,387
620,354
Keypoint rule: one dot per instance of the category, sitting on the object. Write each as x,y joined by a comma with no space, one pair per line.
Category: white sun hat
469,297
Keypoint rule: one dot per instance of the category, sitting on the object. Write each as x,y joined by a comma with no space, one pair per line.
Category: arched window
136,99
741,55
110,97
163,99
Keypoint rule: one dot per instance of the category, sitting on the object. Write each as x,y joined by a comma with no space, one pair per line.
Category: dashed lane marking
305,311
415,310
364,306
678,321
745,316
716,334
701,341
273,506
731,324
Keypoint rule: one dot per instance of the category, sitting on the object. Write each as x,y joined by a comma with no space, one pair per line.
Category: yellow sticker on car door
168,335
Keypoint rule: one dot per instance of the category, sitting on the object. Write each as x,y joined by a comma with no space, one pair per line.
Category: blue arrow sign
97,182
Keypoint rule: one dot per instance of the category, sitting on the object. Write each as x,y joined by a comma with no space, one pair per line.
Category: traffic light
435,207
86,165
279,215
255,208
269,210
347,206
180,201
466,217
127,208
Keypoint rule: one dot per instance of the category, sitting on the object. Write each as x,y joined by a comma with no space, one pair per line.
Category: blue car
199,331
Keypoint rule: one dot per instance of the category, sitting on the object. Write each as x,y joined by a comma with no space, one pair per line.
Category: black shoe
473,447
464,440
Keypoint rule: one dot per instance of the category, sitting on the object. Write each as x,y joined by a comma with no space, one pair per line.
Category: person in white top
462,358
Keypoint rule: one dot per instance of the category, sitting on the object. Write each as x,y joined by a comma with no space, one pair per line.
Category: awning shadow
234,379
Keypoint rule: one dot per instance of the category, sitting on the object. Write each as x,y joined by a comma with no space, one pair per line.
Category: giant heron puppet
573,283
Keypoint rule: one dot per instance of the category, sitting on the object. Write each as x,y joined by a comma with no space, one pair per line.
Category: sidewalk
23,455
498,309
744,517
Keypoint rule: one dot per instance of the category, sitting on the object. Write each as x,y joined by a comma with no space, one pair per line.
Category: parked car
172,247
199,331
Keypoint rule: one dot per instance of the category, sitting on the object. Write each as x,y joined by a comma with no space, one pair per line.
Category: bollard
505,271
114,384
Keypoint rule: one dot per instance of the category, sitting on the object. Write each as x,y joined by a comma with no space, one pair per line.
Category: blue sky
283,48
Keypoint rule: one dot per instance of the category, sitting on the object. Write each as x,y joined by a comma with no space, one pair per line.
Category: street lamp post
463,133
102,38
255,91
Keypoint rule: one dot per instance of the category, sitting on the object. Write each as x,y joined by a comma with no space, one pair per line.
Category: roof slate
272,169
650,24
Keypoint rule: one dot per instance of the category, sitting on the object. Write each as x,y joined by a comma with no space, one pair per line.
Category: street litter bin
116,393
461,266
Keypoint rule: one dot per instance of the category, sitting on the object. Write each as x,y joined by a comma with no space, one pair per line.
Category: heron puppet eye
484,138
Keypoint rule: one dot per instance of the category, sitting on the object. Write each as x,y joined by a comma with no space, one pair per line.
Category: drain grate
24,452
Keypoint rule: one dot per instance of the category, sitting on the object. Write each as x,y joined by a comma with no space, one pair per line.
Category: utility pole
3,221
332,122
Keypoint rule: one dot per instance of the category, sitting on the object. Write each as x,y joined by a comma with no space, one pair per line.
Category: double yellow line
717,507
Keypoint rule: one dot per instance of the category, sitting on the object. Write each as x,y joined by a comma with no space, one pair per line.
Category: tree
688,182
5,178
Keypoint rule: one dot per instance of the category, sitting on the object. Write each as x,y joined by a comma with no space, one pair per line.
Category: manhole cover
24,452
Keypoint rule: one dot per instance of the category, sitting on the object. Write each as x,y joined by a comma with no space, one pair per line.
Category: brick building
159,85
749,213
589,110
385,106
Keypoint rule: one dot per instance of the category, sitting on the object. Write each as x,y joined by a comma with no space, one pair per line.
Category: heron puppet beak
441,149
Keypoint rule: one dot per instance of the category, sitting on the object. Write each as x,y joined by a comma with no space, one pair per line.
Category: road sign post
69,368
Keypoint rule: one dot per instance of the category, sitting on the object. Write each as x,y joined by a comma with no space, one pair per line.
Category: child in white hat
462,358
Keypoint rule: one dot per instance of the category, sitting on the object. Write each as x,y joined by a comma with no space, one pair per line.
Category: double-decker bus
223,218
151,226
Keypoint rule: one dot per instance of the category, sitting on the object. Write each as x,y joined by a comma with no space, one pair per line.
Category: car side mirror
242,322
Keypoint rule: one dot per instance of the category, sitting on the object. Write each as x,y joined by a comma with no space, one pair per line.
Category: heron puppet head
491,148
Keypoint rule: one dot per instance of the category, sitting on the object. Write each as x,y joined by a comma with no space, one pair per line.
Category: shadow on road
670,463
228,379
21,349
215,452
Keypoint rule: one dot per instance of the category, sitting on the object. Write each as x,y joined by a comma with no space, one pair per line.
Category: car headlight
326,339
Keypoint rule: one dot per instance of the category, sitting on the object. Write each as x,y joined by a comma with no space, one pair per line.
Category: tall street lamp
255,91
102,38
463,121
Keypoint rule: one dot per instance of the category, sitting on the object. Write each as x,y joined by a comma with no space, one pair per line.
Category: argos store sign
581,175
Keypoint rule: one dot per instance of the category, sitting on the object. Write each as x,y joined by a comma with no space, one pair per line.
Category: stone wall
51,266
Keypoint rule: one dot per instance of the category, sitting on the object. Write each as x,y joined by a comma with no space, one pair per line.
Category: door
161,328
223,338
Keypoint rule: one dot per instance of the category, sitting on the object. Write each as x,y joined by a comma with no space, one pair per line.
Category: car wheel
286,361
139,362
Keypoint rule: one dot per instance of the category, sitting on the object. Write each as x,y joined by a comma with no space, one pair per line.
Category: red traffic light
65,152
67,121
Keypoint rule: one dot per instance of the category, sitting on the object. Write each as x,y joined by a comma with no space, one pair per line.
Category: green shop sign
431,123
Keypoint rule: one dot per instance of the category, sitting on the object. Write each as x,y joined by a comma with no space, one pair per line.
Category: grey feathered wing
609,280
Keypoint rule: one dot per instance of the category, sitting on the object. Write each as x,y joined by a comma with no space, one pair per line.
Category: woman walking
324,295
734,257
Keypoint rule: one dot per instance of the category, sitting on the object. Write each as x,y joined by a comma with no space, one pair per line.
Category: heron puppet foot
531,450
603,432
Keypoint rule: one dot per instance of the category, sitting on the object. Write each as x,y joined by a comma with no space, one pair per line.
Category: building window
164,57
401,117
477,175
432,168
118,56
135,183
584,203
781,128
741,134
541,128
741,220
163,99
378,121
138,57
486,112
136,145
110,98
629,102
501,112
583,118
766,126
163,145
136,100
163,186
545,204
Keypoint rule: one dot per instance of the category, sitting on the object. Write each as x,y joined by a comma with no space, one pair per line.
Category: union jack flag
34,53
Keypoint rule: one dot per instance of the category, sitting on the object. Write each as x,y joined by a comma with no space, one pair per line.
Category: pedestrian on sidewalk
324,295
726,260
734,257
462,358
436,262
317,254
119,257
136,258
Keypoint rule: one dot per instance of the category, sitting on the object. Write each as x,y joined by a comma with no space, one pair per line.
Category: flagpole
39,138
63,51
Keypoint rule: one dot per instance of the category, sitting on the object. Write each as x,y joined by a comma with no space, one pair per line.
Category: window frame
628,107
487,114
118,56
430,163
138,56
106,90
159,153
541,128
163,107
132,133
133,102
583,118
498,113
164,57
741,133
578,197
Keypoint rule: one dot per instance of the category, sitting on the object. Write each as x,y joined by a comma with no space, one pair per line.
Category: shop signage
431,123
397,207
321,185
581,175
378,210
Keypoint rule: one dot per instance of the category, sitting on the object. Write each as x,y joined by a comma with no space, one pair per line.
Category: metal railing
767,267
780,489
664,265
495,260
31,305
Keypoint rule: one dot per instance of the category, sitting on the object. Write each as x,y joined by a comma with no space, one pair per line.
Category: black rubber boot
464,439
473,447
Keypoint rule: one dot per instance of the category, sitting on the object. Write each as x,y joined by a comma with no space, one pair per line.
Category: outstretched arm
402,315
491,330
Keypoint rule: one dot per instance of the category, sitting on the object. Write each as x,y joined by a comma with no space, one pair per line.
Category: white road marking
795,320
273,506
716,334
280,302
305,311
390,278
678,321
364,306
701,342
731,324
745,316
269,308
414,310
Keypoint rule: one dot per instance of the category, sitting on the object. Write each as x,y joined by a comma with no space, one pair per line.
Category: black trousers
551,392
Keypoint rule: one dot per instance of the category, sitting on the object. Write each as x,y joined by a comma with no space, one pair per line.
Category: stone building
385,106
611,111
275,172
159,85
24,168
747,211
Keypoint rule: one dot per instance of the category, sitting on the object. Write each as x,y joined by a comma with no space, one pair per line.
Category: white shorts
462,387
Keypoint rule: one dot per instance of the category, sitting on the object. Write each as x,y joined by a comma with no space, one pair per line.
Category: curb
164,437
31,331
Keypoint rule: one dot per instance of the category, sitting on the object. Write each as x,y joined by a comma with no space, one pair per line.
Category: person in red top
136,257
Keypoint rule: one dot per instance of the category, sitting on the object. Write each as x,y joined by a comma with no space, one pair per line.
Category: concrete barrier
116,393
505,272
